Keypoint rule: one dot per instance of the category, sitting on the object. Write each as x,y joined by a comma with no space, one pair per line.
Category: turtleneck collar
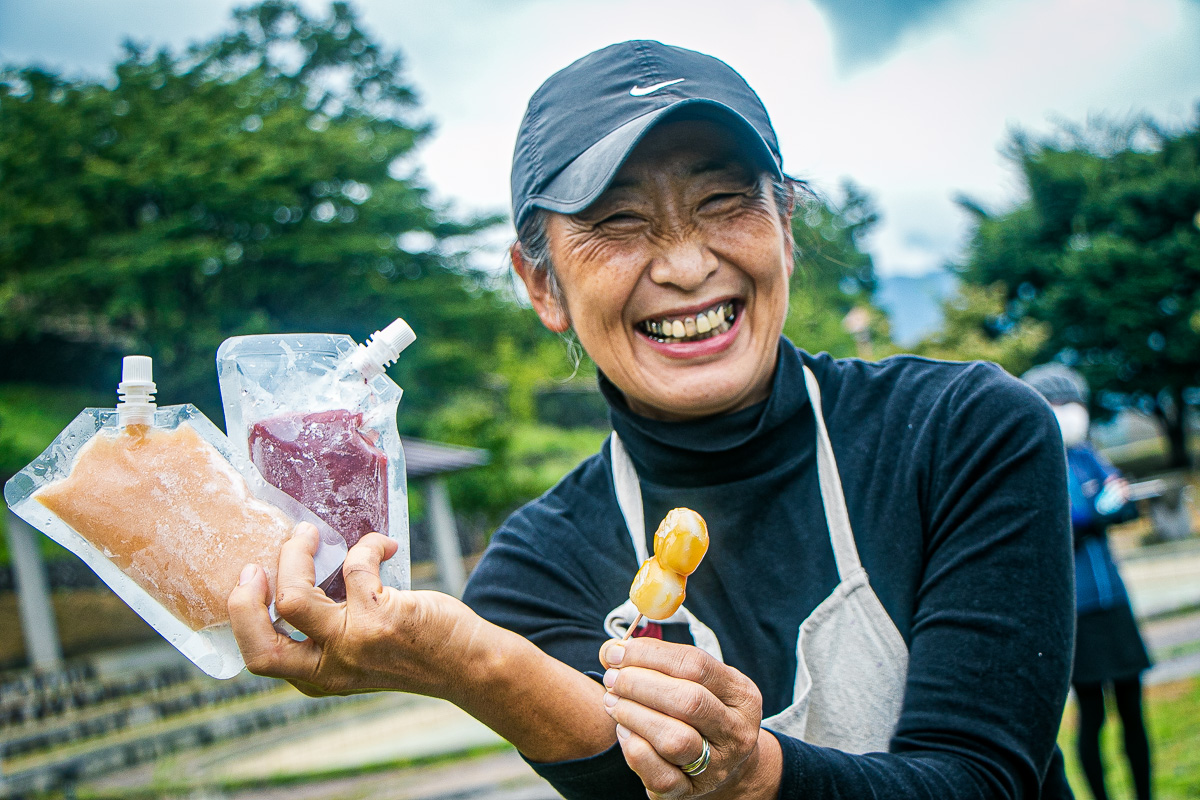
720,449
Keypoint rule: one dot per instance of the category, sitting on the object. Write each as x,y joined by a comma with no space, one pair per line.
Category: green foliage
833,273
1105,252
527,457
969,331
30,418
257,182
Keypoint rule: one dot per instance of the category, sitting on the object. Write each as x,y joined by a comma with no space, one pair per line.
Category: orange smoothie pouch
157,504
173,514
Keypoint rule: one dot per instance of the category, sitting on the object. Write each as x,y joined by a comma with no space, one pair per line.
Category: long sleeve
991,638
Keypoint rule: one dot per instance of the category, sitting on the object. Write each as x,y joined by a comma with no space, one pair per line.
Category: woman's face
676,279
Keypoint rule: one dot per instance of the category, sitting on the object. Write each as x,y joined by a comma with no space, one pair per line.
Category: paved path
1175,643
1164,577
362,751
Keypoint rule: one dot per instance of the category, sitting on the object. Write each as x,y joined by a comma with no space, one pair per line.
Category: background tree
834,273
1105,252
258,182
975,327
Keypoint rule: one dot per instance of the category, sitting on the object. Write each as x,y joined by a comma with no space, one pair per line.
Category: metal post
42,646
446,548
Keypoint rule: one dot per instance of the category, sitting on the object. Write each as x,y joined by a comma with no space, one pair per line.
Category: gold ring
700,764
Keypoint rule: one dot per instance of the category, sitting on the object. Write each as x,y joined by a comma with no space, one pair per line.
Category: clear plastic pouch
316,414
167,514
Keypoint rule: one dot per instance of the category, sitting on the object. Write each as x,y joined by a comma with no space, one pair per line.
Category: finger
661,778
688,663
264,649
688,702
361,569
296,568
612,658
676,742
297,599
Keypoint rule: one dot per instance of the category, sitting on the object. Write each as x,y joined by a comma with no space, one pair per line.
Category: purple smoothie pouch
316,414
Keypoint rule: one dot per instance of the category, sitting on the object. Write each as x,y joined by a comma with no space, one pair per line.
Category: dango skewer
660,585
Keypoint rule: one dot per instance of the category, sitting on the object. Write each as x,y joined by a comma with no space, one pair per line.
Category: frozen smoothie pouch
153,500
317,414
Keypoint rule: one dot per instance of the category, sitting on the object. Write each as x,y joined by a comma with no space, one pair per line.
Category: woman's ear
540,286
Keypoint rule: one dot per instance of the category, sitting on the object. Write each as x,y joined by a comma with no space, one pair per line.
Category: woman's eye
722,201
620,220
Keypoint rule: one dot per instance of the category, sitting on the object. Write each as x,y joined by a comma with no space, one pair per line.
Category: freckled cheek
760,256
597,304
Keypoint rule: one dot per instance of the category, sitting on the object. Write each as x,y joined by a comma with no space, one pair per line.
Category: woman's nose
685,264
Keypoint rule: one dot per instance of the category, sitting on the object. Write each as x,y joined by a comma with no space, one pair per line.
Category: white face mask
1074,420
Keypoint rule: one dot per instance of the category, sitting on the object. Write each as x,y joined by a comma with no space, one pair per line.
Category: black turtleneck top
955,481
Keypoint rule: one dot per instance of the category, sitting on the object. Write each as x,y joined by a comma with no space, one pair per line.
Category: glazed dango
681,541
660,584
657,592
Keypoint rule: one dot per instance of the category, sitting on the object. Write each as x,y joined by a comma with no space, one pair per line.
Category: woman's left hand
667,700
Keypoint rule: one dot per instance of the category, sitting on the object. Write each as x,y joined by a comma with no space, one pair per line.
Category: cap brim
586,178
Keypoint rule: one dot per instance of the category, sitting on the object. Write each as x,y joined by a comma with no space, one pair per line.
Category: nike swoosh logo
638,91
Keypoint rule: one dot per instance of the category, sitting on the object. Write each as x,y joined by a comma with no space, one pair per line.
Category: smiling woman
653,219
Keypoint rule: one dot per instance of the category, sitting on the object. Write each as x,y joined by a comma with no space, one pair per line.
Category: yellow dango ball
657,592
681,541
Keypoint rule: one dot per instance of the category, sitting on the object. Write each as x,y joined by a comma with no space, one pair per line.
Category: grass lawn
1173,715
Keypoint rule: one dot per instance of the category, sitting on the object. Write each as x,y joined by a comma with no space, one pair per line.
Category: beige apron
851,661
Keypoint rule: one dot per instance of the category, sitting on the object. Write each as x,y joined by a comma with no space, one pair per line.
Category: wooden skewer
629,632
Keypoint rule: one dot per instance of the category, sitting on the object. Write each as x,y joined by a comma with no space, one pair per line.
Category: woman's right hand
422,642
380,638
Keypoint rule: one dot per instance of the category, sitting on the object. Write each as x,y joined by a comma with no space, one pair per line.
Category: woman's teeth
715,320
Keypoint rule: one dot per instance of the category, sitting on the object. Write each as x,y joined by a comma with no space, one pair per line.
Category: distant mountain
913,304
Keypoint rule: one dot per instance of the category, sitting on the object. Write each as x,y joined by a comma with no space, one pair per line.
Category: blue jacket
1098,585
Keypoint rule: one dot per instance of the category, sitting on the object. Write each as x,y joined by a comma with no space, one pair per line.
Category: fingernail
614,654
304,528
622,732
247,574
610,678
610,699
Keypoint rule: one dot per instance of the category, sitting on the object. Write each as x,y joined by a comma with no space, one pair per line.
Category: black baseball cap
583,122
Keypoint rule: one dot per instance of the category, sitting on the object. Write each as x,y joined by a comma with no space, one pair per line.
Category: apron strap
629,496
836,517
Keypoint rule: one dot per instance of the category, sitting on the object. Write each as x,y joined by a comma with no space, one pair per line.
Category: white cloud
914,129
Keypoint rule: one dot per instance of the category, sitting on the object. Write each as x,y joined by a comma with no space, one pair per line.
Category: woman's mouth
692,327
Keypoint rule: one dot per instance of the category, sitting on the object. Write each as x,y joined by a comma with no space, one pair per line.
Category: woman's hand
667,700
380,638
422,642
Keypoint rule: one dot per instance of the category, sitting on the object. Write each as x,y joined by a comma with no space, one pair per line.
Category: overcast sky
910,98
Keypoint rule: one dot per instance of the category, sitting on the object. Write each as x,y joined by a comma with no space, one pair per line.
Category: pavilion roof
423,458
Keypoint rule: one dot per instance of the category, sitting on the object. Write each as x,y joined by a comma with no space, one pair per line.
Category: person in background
1108,648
